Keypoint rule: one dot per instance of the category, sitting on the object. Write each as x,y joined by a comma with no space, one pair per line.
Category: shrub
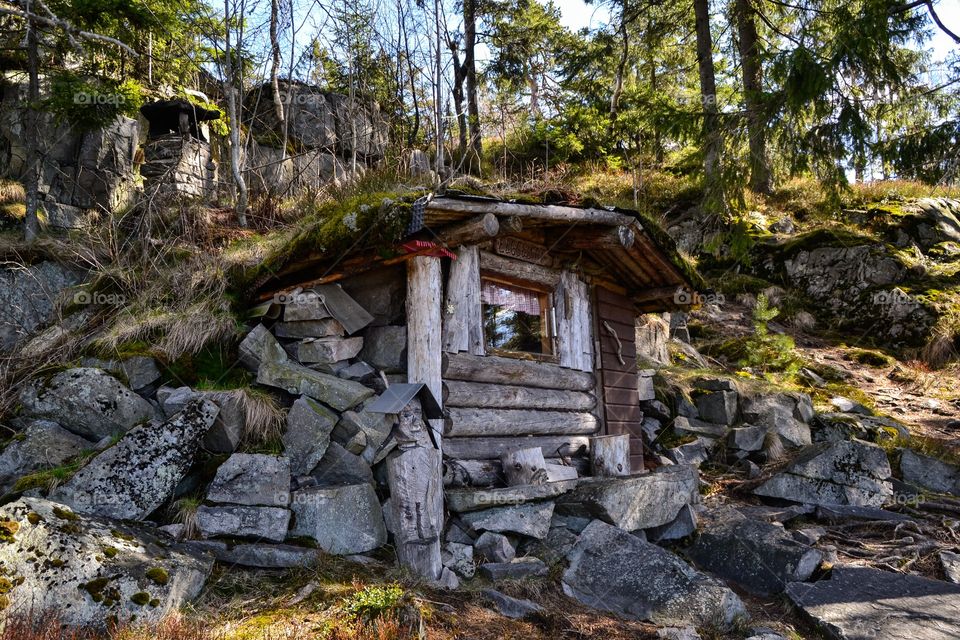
765,351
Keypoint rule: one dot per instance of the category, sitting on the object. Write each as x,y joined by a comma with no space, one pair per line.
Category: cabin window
516,318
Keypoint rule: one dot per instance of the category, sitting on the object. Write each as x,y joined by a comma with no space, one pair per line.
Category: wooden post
424,355
610,455
524,466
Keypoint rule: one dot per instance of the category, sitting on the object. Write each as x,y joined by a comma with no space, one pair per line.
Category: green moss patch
8,530
140,598
159,575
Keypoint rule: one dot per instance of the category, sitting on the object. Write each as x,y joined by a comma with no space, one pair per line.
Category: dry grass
11,192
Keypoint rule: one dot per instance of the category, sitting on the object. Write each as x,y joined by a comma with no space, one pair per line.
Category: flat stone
358,371
237,521
308,329
714,384
760,557
512,607
364,432
326,350
531,519
342,520
139,371
778,412
253,479
645,388
56,566
747,438
230,426
845,405
635,502
260,346
495,547
261,555
651,428
845,513
684,426
465,500
304,305
694,453
841,473
929,473
612,570
339,467
950,562
459,558
89,402
41,445
682,526
307,436
516,570
134,477
296,379
859,603
678,633
385,348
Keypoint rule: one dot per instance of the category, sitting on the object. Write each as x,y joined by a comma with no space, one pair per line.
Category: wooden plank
416,498
462,314
506,422
526,373
613,395
574,328
623,413
424,355
493,448
520,270
524,467
598,238
620,379
610,456
467,500
457,393
530,213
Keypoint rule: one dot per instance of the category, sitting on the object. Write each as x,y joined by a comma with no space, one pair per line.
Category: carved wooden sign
521,250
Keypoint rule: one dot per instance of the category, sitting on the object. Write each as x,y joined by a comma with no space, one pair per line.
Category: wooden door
618,370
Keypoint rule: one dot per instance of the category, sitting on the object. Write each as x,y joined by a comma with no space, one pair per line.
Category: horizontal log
466,500
592,238
462,422
510,371
458,393
510,224
493,447
476,229
488,473
520,270
533,212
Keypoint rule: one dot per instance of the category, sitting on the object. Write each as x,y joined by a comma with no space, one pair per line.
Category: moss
116,533
8,530
65,514
159,575
869,357
140,598
6,585
34,518
95,588
155,603
110,552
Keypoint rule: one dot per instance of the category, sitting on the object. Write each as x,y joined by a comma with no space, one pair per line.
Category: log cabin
519,319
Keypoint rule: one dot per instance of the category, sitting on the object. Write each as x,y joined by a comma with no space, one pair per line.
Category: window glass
515,318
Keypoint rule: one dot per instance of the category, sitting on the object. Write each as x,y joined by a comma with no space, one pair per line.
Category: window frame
547,318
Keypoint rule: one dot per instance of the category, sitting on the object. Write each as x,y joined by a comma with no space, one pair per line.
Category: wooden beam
532,212
510,224
498,370
610,455
415,478
488,473
524,466
462,318
506,422
519,269
459,393
592,238
424,364
493,448
476,229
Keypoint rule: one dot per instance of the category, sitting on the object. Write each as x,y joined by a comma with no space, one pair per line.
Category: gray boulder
363,432
682,526
841,473
859,603
929,473
229,427
139,371
41,445
760,557
260,555
950,562
747,438
517,569
87,401
719,407
242,521
637,502
299,380
134,477
338,467
615,571
512,607
693,453
307,436
385,348
342,520
87,571
684,426
259,346
495,547
459,558
254,479
29,296
786,414
531,519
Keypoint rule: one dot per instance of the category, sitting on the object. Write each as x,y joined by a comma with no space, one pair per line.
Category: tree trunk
610,456
760,174
459,76
31,221
708,94
621,69
231,97
275,66
470,65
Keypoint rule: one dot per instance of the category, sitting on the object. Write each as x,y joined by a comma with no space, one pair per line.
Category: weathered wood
467,500
505,422
532,213
610,456
524,466
462,315
424,287
493,447
558,472
511,224
592,238
526,373
574,325
458,393
476,229
520,270
488,473
416,497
